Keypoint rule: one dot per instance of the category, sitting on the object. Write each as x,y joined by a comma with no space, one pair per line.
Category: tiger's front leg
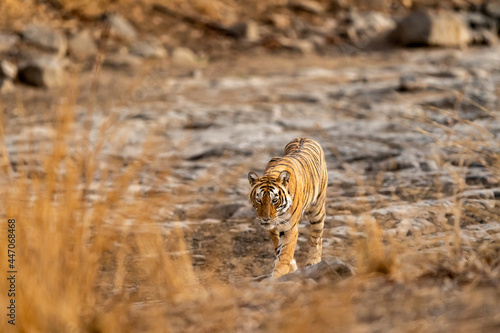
285,262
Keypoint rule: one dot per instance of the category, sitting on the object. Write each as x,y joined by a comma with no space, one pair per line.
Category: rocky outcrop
46,72
432,29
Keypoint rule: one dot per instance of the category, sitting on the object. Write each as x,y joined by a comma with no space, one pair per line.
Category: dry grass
96,258
94,255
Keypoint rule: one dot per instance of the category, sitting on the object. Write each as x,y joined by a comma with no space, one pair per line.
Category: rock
244,212
45,38
7,70
305,97
280,21
182,56
150,48
492,8
410,82
338,5
331,269
299,45
223,211
432,29
312,7
6,86
483,28
362,26
8,40
478,21
480,94
484,37
44,72
206,153
248,30
121,28
122,62
82,46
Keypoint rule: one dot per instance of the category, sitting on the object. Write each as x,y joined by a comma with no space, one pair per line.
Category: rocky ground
411,143
411,138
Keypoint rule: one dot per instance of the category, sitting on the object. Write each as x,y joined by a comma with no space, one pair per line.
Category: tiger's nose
265,219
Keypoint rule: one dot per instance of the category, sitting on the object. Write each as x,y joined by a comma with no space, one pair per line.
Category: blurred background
127,129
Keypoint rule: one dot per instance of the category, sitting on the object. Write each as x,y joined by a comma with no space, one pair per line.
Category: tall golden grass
92,256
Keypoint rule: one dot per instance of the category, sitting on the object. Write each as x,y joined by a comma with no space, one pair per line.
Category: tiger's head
271,200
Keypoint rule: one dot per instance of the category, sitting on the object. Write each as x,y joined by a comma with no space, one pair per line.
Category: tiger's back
304,159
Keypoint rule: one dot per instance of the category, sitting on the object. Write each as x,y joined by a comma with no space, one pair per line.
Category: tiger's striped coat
292,185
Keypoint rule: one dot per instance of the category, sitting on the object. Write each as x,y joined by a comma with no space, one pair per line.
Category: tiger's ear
284,177
252,178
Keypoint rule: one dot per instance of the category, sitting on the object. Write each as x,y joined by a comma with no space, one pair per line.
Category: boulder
44,72
363,26
121,28
149,48
182,56
82,46
432,29
329,269
8,70
45,38
224,211
492,8
309,6
248,30
483,28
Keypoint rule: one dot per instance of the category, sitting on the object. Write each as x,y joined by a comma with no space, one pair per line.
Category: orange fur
290,186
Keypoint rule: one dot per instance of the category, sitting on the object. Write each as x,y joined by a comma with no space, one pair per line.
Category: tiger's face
271,200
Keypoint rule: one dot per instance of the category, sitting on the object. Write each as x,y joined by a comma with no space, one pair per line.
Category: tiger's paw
293,266
312,261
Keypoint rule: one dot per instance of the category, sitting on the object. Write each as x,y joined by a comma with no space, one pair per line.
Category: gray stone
44,72
363,26
244,212
432,29
45,38
223,211
483,29
480,95
484,37
248,30
309,6
82,46
492,8
305,97
410,82
8,40
121,28
329,269
182,56
8,70
122,62
150,48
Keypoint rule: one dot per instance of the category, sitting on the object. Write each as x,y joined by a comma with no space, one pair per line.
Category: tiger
292,185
